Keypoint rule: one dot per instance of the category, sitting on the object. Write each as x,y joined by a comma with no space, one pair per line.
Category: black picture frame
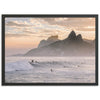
49,84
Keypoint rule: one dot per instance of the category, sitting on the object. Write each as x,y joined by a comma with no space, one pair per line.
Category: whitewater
64,70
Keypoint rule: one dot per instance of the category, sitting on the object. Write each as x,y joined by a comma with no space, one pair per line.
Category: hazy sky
23,34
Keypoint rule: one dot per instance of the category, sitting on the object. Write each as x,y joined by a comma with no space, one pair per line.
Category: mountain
48,41
91,42
73,45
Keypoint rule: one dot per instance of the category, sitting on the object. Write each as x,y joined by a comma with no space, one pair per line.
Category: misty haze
50,50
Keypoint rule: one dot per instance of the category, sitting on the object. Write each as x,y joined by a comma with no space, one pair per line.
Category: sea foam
17,66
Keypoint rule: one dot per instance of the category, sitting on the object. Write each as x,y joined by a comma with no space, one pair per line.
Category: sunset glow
24,33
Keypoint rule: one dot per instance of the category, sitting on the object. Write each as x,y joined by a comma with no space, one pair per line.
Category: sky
25,33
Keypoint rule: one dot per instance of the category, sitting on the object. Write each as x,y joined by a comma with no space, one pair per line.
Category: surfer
32,60
51,70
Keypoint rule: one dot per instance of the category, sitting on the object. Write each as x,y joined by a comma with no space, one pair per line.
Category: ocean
50,70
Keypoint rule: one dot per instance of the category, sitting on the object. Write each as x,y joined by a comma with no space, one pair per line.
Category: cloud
29,32
44,27
88,28
72,23
37,22
16,23
16,35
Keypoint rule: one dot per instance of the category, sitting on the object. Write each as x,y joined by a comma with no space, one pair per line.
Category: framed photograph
50,50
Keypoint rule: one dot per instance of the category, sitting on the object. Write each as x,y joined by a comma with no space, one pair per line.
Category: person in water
32,60
51,70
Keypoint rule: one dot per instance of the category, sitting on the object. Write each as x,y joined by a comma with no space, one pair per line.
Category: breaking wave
17,66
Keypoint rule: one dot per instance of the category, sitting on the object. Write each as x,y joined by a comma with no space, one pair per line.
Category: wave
17,66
